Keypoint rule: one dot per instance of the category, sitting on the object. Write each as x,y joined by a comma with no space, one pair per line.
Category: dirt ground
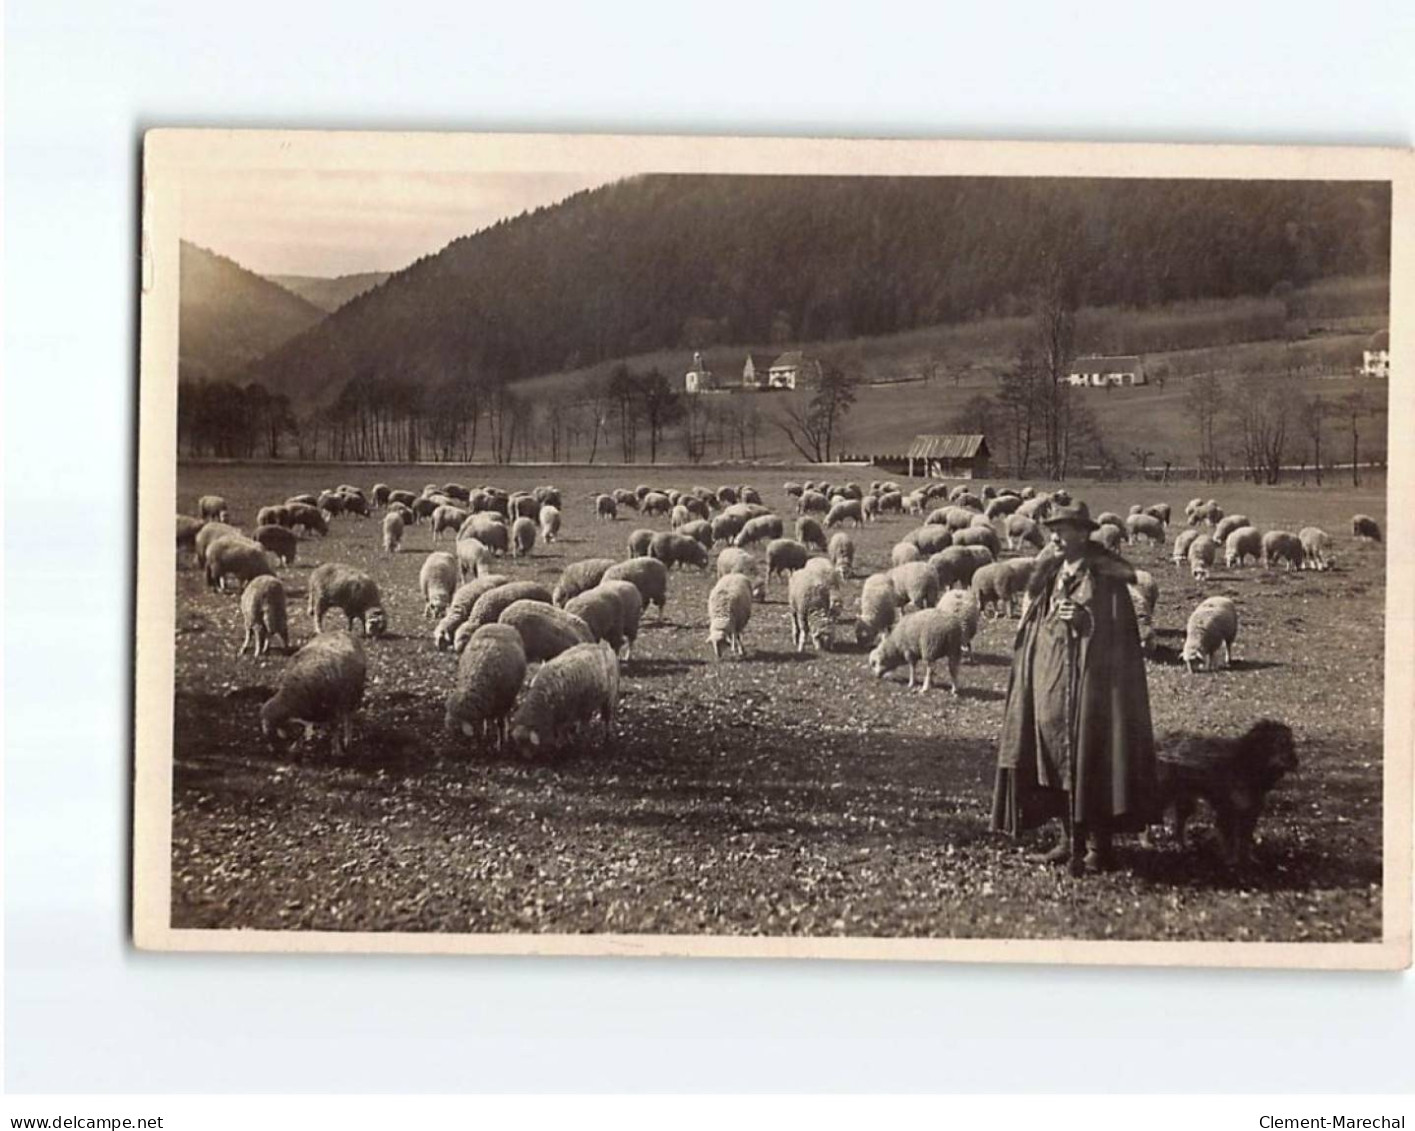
781,794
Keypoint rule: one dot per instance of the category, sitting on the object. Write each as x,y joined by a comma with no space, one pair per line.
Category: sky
328,224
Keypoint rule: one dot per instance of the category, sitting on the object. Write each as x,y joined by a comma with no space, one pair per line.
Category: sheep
1001,584
784,556
303,501
1004,506
826,571
1281,546
1110,518
490,532
448,518
405,498
1244,542
841,552
1365,528
523,537
496,600
524,506
566,692
402,512
869,508
322,683
916,584
809,533
1023,530
793,489
381,492
545,630
956,565
851,509
393,527
639,542
680,515
605,508
808,593
812,502
426,507
962,606
207,536
626,499
733,560
879,609
1108,536
1182,543
549,522
766,526
1209,512
473,558
460,607
1316,548
438,580
264,614
353,592
187,530
235,555
674,549
308,518
1202,551
978,536
1144,595
603,612
648,574
1139,526
278,541
331,503
213,507
726,527
925,636
655,503
1212,625
930,539
631,610
355,503
273,516
490,672
579,577
1035,506
905,552
729,610
1229,524
699,530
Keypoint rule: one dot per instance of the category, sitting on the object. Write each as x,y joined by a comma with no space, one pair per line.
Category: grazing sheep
1003,506
733,560
841,552
545,630
331,503
213,507
1160,511
1228,526
1316,549
235,555
208,536
405,498
549,522
393,527
567,692
809,533
1110,518
308,518
579,577
603,612
426,507
631,609
1212,625
381,493
729,610
680,515
523,537
1023,530
726,527
656,503
905,552
1280,546
1108,536
460,607
489,531
978,536
766,526
438,580
916,584
1202,551
350,590
1365,527
490,672
605,508
278,541
448,518
1242,543
322,683
524,506
699,530
1146,526
624,498
187,530
650,576
640,542
1182,543
812,502
851,509
956,565
809,593
264,614
473,558
1000,585
496,600
785,556
674,549
355,503
925,636
930,539
963,606
402,512
869,508
1144,595
879,609
1209,512
273,516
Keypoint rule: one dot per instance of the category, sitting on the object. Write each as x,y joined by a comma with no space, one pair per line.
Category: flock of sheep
944,576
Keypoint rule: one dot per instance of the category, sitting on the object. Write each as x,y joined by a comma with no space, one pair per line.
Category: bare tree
661,408
813,426
1353,407
1260,415
1312,415
1019,398
1203,402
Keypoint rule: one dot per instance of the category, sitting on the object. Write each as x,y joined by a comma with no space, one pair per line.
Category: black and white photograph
608,545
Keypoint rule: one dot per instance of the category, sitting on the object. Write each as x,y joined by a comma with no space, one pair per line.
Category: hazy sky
279,223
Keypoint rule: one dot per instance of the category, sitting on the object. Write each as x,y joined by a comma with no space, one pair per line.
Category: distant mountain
681,262
330,294
229,317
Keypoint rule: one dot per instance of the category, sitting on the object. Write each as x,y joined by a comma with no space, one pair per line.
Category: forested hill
228,316
667,261
330,294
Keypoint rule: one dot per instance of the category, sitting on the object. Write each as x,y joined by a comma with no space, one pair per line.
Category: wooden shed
949,456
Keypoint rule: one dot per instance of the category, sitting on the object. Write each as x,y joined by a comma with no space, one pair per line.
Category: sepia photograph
764,547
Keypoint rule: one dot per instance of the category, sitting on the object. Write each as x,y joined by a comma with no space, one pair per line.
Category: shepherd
1077,737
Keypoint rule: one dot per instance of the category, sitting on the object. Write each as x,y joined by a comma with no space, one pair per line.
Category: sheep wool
603,612
1281,546
648,575
263,612
916,584
235,555
879,609
1242,543
438,580
921,637
392,532
962,605
322,683
353,592
841,551
1363,526
631,606
495,601
523,537
566,692
1316,548
810,593
460,608
1212,625
729,610
545,630
579,577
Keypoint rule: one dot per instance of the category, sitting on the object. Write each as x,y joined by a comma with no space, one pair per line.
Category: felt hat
1075,513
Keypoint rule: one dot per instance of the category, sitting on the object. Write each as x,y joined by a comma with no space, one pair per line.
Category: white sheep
495,601
1242,543
1182,543
473,558
567,692
1139,526
810,592
1021,529
1212,625
846,509
392,532
1000,585
490,672
1316,548
962,605
879,609
264,615
603,611
549,523
841,552
213,507
523,537
1144,595
438,580
447,518
1202,551
733,560
545,630
631,605
1281,546
1229,524
578,577
460,608
925,636
729,610
353,592
905,552
765,526
322,683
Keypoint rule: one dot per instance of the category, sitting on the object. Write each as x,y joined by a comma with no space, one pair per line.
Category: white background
84,1012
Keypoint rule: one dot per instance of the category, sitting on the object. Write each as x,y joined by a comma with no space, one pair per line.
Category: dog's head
1271,749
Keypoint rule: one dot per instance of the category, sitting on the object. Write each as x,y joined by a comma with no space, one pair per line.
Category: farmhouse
1101,372
1375,358
792,370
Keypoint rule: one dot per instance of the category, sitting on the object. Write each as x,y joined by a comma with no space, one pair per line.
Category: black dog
1232,774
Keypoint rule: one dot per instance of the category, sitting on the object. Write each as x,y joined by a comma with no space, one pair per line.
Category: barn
949,455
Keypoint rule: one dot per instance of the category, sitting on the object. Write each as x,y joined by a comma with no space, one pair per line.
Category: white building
1375,358
1098,372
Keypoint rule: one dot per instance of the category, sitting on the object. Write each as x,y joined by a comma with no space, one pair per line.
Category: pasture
778,794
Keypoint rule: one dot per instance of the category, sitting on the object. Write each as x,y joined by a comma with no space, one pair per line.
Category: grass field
782,794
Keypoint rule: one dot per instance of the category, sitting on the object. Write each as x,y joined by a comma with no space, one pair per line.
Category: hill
229,317
681,262
330,294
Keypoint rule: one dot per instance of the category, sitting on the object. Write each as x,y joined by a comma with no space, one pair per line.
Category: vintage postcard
775,548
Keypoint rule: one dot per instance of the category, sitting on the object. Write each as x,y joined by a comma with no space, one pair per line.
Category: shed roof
1119,363
947,446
